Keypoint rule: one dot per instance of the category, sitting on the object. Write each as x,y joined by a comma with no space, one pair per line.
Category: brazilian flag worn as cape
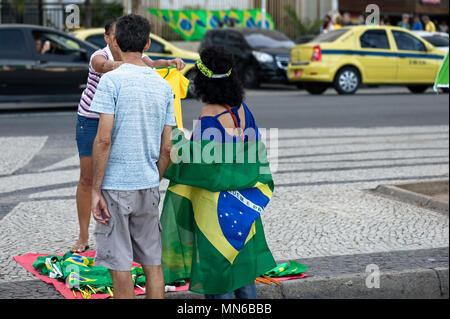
212,233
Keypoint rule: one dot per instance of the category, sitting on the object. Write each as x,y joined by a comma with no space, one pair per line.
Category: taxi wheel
418,89
316,88
347,80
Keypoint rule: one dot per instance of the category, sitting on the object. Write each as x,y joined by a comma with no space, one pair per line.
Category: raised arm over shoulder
103,65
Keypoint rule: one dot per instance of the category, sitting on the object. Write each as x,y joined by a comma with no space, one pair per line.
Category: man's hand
179,63
99,208
46,47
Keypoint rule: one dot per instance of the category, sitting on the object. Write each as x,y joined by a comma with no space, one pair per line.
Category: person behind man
443,27
131,154
327,25
405,22
417,24
102,61
347,19
429,25
337,22
41,48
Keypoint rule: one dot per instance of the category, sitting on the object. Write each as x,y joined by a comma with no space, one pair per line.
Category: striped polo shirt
92,82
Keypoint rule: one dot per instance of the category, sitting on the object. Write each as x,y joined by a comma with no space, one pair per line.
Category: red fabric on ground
27,261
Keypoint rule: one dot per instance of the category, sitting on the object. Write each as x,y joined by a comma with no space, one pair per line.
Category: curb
414,198
405,274
422,283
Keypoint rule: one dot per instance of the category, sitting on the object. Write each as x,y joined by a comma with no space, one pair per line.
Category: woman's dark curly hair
228,91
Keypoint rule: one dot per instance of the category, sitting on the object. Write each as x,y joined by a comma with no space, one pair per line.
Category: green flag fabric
443,76
80,273
193,24
212,233
292,268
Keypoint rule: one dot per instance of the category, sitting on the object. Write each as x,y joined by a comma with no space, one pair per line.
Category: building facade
398,7
305,9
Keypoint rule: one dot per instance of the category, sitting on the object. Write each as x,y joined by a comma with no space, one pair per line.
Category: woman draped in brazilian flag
220,183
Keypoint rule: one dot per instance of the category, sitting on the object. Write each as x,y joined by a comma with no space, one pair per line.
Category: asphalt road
277,107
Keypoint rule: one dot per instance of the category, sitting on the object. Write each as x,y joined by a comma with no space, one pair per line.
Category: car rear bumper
309,72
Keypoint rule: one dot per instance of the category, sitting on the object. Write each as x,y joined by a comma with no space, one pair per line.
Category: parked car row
39,63
344,59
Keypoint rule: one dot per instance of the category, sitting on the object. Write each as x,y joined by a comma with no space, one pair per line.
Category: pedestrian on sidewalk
130,155
429,25
417,24
101,62
405,22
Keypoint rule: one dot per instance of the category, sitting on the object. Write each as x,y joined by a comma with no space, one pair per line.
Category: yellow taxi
372,55
159,49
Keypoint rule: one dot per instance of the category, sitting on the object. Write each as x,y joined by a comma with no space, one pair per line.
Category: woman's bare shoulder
211,110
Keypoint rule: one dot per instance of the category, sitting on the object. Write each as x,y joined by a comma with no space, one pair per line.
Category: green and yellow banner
193,24
442,78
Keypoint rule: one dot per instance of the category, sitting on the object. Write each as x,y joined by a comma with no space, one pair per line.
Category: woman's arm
178,63
102,65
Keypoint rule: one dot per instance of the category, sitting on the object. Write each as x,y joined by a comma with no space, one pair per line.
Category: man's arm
166,148
102,65
101,149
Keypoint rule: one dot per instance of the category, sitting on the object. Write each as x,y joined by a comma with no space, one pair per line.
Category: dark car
262,55
39,64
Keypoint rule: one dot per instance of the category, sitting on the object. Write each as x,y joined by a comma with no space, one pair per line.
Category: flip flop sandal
79,249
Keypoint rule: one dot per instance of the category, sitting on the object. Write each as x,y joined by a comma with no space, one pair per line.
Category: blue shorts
86,132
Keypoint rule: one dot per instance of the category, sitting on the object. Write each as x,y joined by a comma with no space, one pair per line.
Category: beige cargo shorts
133,232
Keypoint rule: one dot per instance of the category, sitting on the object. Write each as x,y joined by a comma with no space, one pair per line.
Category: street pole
130,6
263,14
335,5
40,13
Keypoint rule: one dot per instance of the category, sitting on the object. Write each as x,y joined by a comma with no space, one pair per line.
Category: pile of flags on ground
84,279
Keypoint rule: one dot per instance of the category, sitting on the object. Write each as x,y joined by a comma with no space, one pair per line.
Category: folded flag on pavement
212,230
292,268
77,271
443,76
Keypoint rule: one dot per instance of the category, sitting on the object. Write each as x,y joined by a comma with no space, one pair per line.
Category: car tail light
317,54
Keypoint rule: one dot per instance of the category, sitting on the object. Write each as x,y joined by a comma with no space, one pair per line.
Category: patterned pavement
320,208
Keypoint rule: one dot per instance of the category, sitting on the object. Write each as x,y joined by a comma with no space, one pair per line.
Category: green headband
208,73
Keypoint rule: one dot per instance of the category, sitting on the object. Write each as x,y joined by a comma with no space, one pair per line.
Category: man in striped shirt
102,61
